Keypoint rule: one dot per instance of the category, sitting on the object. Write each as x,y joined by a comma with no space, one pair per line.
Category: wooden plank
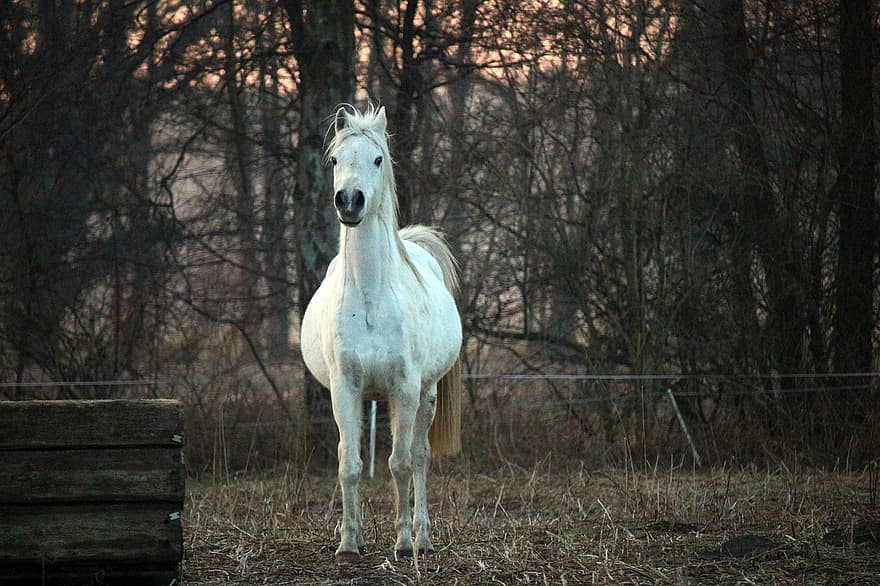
82,424
136,574
92,475
57,534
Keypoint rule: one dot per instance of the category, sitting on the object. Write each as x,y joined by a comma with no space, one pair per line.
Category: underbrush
603,424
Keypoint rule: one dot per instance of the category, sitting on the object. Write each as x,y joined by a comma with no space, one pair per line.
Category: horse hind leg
403,415
347,408
421,456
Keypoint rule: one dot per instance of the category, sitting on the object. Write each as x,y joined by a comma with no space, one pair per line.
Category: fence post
684,428
372,438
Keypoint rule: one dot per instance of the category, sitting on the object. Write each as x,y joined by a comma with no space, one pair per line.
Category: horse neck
370,254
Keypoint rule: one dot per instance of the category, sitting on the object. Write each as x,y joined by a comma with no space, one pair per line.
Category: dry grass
535,526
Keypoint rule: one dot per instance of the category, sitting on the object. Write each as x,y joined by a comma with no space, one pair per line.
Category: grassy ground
535,526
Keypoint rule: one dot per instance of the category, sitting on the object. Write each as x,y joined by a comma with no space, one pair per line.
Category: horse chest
370,339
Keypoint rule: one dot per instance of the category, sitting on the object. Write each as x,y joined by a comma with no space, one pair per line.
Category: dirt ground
519,526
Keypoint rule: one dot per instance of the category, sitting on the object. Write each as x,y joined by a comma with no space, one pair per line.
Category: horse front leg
347,410
403,414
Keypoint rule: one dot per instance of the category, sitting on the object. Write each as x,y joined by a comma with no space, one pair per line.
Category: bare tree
323,42
855,284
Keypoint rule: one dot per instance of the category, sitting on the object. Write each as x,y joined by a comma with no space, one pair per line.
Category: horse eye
333,161
378,161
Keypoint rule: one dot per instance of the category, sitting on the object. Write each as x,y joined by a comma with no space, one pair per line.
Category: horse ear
381,120
339,123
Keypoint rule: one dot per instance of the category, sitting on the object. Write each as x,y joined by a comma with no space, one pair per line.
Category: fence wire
481,378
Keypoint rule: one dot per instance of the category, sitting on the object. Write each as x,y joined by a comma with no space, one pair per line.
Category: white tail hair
445,432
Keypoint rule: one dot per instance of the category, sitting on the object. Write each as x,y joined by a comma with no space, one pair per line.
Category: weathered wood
91,492
55,534
92,475
29,425
76,574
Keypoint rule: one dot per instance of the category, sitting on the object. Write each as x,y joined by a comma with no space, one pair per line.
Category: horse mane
432,240
365,123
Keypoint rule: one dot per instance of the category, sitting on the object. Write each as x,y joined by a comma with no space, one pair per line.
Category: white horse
384,325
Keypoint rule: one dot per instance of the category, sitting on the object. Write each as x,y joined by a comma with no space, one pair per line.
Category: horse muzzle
349,206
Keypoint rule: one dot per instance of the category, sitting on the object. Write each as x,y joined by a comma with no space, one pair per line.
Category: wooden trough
91,492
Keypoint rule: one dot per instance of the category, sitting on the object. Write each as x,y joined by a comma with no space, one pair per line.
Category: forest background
684,188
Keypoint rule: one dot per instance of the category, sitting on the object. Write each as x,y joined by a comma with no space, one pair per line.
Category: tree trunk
239,161
376,57
408,92
324,47
761,225
275,220
853,325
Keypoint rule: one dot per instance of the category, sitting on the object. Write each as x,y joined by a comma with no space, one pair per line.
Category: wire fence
230,419
661,377
746,385
519,377
83,383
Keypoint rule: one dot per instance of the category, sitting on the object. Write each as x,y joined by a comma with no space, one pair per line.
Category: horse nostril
339,200
359,199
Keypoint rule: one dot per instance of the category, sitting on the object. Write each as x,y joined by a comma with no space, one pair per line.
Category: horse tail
445,432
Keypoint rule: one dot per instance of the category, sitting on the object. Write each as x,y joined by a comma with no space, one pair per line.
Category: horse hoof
403,554
344,558
426,551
